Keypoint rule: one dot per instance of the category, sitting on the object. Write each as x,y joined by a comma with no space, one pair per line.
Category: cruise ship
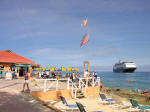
124,67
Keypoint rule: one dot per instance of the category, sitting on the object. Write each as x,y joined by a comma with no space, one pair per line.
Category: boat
124,67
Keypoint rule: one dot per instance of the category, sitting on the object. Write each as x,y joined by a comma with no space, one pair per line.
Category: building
14,63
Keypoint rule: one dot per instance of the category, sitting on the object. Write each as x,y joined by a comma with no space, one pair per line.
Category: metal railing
49,84
64,83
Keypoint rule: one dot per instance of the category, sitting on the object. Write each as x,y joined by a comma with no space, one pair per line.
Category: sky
49,32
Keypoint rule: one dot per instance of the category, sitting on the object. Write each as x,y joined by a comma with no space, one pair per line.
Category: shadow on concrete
15,103
9,85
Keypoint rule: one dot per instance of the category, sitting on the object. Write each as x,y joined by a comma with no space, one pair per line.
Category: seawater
130,81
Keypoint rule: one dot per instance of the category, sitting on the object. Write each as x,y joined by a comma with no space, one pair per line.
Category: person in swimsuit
101,86
26,81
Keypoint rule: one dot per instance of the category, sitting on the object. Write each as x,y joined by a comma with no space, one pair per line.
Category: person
74,77
101,86
139,90
94,74
53,74
86,74
44,76
67,75
26,81
77,76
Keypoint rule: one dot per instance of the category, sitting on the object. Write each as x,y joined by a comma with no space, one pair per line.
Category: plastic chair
104,98
66,104
81,107
136,105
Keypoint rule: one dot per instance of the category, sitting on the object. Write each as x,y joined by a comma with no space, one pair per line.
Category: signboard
8,76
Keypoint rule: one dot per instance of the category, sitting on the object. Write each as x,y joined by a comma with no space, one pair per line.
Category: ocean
131,81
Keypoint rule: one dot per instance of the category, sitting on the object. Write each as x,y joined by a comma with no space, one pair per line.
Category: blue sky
49,31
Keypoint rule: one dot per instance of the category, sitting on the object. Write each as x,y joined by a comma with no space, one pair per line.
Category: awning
23,65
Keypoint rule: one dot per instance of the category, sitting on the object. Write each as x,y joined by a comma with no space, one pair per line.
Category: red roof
8,56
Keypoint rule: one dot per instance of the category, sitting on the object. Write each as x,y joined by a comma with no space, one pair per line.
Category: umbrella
63,69
69,69
72,69
49,68
43,69
77,70
52,69
59,69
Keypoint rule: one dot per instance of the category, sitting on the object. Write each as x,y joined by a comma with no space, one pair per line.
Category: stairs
79,94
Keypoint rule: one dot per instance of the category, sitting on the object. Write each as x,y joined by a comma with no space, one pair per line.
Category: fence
63,83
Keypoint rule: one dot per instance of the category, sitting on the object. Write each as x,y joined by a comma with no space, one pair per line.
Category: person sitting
53,74
44,75
67,75
14,76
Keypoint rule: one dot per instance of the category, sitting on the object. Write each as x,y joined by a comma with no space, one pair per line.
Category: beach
92,103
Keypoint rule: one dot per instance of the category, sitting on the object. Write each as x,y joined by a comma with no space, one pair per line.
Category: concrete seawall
54,95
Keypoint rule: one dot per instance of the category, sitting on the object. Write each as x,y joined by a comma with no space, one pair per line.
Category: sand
92,103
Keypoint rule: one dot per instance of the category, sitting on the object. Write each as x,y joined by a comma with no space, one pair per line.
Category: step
80,96
78,91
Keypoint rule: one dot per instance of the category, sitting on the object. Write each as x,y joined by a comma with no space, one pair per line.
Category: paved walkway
12,100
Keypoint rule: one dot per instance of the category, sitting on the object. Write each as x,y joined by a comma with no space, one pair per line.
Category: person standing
101,86
77,76
86,74
26,81
74,77
94,74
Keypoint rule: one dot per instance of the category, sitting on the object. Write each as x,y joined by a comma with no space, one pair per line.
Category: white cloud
58,53
71,56
107,51
30,35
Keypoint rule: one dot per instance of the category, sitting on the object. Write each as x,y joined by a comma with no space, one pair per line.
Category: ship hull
127,70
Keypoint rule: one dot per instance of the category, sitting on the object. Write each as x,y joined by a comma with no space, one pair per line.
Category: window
13,67
1,67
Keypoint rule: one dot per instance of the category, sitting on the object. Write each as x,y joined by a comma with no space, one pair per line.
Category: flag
84,22
85,39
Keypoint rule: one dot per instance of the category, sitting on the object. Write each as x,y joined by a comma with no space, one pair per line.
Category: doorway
22,70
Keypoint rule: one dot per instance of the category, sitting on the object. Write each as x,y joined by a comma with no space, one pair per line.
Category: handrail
74,87
83,84
45,87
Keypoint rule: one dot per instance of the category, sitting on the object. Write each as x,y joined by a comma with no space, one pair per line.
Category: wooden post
45,85
68,83
57,84
93,81
88,66
18,72
79,83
